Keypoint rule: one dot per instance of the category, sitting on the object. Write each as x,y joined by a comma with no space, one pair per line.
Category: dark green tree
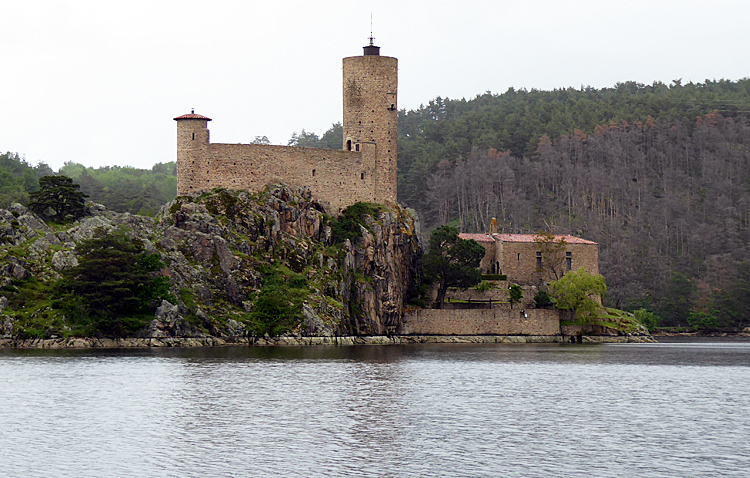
452,261
515,294
115,285
678,301
58,199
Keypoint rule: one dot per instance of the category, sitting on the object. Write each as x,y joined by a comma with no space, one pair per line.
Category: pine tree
58,199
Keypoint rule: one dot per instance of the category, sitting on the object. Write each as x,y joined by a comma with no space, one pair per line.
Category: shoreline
94,343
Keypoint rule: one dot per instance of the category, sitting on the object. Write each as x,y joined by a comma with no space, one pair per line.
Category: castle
364,170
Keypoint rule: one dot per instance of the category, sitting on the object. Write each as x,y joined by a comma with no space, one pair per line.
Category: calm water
430,410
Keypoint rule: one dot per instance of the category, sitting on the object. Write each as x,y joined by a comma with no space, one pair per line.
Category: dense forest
657,174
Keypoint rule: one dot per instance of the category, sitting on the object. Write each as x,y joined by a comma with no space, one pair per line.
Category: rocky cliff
229,256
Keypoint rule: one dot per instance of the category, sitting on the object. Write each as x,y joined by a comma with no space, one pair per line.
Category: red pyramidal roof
192,115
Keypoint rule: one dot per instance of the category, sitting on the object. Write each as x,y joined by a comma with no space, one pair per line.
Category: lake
667,409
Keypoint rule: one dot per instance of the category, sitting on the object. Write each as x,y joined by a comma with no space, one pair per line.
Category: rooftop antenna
371,49
372,38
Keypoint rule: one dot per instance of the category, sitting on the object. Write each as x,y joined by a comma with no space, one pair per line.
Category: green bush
647,318
351,221
278,308
484,286
704,321
543,299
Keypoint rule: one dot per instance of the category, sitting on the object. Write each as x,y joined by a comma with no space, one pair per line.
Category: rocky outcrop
217,249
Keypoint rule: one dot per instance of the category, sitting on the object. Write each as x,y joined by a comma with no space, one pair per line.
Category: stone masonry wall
500,320
518,260
370,85
336,178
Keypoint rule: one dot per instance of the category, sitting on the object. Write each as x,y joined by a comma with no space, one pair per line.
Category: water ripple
447,410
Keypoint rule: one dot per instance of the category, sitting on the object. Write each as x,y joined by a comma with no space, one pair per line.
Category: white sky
98,82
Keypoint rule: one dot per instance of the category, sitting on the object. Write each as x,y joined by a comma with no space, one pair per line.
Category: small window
348,145
193,136
519,256
539,260
569,260
313,172
362,176
356,147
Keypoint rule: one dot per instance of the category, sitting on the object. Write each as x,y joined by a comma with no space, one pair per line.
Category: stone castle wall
336,178
500,320
365,170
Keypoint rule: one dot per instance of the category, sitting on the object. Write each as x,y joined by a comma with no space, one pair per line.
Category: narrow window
538,260
193,136
519,256
362,176
348,145
313,172
356,147
569,260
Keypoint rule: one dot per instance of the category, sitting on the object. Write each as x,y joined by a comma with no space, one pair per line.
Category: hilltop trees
452,261
58,199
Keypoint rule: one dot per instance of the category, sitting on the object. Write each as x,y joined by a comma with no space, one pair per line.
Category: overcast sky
98,82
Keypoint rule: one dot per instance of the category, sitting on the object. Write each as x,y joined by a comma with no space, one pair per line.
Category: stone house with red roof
523,259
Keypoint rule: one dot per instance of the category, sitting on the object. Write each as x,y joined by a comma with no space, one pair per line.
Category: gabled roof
476,237
530,238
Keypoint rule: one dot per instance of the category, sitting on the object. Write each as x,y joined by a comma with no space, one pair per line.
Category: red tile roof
521,238
476,237
192,116
530,238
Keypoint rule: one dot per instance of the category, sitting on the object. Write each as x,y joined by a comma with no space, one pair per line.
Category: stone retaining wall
500,320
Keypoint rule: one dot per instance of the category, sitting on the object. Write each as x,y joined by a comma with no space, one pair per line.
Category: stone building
363,170
524,261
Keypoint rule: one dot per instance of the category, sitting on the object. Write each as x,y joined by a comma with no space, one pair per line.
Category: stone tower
370,114
192,153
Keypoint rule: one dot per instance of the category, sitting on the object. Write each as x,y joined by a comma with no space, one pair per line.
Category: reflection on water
675,409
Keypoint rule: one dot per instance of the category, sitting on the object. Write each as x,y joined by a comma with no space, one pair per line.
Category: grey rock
6,326
62,259
14,268
227,261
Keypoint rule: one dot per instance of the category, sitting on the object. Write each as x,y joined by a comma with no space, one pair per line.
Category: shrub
351,221
484,286
647,318
704,321
542,299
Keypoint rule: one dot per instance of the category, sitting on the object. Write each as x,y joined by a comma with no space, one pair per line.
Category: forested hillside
126,189
658,174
